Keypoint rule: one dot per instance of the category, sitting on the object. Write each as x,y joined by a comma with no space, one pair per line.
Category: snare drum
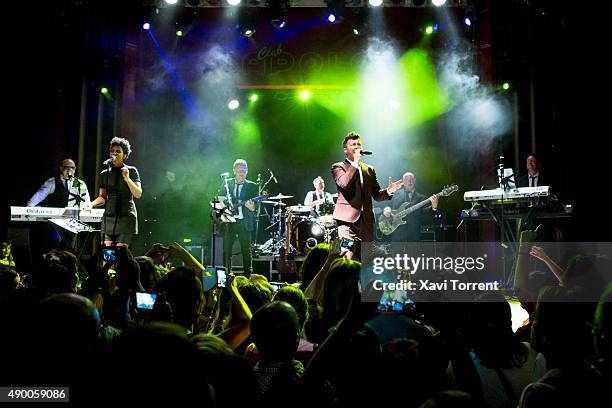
307,234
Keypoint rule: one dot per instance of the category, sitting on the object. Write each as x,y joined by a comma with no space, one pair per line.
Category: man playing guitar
241,194
411,232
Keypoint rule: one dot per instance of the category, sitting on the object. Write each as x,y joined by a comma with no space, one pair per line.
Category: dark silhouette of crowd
311,343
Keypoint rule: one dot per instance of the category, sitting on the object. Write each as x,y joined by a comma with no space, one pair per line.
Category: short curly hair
123,143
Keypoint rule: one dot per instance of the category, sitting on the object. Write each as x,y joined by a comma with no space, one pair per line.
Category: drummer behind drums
319,201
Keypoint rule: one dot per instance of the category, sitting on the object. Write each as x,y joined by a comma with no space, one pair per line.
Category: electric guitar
387,225
239,203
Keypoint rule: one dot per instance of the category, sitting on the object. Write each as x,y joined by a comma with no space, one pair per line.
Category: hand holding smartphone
145,300
110,254
221,278
346,244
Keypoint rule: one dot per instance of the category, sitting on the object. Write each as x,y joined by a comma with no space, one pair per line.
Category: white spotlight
375,3
233,104
438,3
233,2
394,104
171,2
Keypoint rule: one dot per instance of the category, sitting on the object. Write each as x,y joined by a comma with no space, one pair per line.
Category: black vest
59,197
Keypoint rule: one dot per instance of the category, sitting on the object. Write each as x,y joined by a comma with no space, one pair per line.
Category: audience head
313,262
295,297
58,272
275,330
182,289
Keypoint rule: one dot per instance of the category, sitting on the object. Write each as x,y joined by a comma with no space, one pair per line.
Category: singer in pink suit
120,184
357,186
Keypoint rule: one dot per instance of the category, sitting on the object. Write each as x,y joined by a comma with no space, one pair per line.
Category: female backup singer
120,184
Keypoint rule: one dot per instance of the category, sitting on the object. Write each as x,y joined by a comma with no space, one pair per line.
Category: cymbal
299,208
274,202
280,196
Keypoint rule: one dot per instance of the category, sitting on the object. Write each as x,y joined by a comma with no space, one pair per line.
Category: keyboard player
63,190
534,177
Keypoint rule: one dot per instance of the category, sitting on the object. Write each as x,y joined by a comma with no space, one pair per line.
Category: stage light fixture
104,91
247,21
418,3
234,2
146,26
253,97
233,104
438,3
277,10
375,3
171,2
335,11
506,86
468,20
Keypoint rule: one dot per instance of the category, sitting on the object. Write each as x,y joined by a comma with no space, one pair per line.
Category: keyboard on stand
48,213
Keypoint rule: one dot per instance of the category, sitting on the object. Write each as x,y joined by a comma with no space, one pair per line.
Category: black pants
244,237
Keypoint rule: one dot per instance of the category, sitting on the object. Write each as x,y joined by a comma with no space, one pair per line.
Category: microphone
365,152
109,160
273,178
225,175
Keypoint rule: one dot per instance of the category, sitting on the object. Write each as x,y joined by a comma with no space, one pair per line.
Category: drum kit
299,226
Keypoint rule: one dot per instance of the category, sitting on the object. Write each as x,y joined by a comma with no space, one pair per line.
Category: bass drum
307,234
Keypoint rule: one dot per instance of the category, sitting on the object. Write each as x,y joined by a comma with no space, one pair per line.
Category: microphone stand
259,190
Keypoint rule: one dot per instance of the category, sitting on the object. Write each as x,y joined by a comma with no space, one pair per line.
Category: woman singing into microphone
120,184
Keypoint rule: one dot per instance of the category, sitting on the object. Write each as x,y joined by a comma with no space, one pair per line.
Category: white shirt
237,191
48,187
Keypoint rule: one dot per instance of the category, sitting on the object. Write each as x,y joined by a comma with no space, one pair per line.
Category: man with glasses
63,190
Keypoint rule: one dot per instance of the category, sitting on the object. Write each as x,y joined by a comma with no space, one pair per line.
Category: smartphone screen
145,300
221,278
346,244
109,254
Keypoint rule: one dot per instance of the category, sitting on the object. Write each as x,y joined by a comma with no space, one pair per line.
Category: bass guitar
387,225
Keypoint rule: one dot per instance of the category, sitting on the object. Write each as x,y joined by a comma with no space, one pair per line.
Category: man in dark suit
533,178
357,186
411,231
242,192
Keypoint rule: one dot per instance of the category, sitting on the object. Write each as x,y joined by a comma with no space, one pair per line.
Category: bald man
411,231
63,190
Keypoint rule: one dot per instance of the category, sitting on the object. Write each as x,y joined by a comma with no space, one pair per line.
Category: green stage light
355,31
505,86
429,30
186,240
179,33
253,97
304,95
104,90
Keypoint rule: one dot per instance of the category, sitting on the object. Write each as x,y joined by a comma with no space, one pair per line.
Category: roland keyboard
498,194
48,213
